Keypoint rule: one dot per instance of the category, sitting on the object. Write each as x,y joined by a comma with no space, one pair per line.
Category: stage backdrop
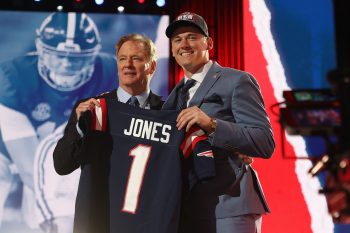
47,62
291,45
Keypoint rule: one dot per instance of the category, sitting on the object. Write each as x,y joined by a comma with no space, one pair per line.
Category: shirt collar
200,74
124,96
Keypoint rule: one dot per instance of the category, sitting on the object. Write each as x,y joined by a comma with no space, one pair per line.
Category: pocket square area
214,98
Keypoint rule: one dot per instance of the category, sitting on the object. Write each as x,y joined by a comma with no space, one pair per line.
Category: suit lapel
170,103
210,78
109,95
154,101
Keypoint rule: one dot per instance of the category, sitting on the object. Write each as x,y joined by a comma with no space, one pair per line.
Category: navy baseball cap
187,19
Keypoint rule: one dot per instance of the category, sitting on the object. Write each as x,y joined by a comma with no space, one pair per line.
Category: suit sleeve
67,154
251,131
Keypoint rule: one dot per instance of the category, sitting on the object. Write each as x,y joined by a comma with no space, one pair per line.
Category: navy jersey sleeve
197,150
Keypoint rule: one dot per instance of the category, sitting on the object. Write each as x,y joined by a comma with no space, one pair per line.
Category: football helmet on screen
67,45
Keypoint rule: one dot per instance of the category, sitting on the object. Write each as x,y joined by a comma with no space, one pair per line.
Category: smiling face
190,49
135,67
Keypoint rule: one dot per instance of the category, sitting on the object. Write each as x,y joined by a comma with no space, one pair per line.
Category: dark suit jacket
92,154
232,97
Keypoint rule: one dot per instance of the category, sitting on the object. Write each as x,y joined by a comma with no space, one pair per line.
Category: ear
210,43
153,67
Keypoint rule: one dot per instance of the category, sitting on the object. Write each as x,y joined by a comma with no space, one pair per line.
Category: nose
184,44
65,62
128,62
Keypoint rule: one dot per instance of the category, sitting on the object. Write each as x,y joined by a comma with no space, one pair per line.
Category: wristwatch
213,125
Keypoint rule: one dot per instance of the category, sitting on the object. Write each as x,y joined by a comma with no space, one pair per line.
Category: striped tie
182,96
133,101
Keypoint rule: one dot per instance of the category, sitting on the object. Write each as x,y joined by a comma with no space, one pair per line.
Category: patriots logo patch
208,153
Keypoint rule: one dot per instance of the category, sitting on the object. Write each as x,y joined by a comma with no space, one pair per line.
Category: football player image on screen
37,93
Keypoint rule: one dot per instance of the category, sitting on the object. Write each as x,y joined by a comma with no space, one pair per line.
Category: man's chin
187,65
128,79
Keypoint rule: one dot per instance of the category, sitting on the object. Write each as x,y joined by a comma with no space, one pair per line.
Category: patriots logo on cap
186,16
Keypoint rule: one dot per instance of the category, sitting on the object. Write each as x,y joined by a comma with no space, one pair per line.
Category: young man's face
134,67
190,48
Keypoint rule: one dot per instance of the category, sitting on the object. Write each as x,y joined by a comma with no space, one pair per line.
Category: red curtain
225,23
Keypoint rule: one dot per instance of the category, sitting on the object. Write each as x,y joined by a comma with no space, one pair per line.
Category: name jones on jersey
150,130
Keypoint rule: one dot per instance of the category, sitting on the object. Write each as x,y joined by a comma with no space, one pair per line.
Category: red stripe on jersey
192,137
104,114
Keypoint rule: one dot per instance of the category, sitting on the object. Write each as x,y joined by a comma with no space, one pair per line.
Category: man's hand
246,159
85,106
193,116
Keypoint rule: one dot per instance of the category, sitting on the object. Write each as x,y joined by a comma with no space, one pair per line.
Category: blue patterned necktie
183,94
133,101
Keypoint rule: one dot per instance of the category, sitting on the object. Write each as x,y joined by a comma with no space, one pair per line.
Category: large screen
286,48
39,83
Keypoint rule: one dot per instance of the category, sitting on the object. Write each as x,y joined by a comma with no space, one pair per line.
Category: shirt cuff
80,132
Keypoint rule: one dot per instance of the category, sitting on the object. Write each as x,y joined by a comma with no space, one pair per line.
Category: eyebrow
189,34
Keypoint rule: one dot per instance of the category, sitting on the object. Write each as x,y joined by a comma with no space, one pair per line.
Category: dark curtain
225,23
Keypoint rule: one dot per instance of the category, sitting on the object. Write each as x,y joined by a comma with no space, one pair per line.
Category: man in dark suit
90,150
228,105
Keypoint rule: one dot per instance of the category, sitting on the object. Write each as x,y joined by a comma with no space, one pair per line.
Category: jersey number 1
141,155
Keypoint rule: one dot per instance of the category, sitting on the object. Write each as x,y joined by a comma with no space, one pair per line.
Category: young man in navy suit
228,105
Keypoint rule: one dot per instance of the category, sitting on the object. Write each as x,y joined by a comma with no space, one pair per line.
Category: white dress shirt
198,76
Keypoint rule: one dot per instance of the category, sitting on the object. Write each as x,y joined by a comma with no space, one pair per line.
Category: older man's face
134,67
